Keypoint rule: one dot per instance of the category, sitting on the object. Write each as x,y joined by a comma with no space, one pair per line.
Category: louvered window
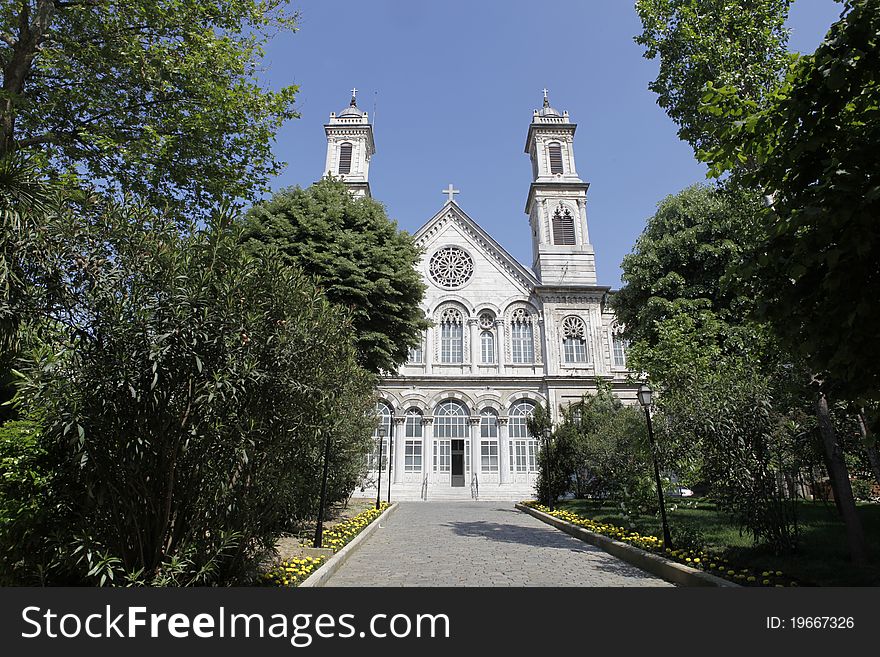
563,227
555,158
345,158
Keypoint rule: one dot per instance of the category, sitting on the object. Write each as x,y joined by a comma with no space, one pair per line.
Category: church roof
452,211
351,110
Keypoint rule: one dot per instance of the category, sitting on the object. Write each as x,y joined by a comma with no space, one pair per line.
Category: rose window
573,327
451,267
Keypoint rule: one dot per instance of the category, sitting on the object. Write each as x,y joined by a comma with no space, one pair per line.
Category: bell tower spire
350,147
557,202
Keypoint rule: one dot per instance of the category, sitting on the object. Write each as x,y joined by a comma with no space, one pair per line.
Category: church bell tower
557,203
349,147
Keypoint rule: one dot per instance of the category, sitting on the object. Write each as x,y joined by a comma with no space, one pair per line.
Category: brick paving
479,544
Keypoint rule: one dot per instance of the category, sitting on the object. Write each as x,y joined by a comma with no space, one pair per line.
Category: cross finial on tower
546,101
451,192
354,96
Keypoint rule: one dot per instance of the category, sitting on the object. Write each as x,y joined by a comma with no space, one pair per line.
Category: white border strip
325,572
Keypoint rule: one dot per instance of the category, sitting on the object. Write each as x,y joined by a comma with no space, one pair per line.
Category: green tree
729,414
815,145
158,98
680,263
184,385
611,443
360,258
740,43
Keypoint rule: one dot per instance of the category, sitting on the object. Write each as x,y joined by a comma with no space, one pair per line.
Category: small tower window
555,151
345,158
563,226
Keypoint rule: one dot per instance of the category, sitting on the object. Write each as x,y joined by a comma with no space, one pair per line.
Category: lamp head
644,394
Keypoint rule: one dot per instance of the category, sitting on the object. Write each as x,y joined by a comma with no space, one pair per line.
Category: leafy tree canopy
817,264
680,263
740,43
158,98
362,261
183,388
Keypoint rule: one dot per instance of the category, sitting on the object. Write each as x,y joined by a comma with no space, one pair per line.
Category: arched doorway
452,441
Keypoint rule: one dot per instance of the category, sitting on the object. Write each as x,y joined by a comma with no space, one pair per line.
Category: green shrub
24,484
187,387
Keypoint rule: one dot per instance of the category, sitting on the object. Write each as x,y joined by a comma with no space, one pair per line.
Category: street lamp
644,394
319,530
390,460
381,433
547,433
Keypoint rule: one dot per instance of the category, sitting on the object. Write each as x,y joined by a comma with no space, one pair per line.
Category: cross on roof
354,95
545,93
451,192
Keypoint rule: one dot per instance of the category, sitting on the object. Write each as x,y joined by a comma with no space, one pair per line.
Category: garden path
479,544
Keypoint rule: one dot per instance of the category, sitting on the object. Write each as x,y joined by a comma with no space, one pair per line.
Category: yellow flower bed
695,558
293,572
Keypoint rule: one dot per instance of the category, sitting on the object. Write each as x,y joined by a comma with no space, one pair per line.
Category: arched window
555,152
450,423
619,347
523,446
563,226
383,413
412,449
345,158
574,340
488,441
451,336
522,345
487,348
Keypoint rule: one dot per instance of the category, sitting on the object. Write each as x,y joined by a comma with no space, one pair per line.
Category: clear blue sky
455,83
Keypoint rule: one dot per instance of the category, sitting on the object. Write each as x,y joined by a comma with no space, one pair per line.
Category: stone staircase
409,492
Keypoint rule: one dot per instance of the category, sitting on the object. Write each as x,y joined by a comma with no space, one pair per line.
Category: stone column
582,211
399,431
475,343
503,451
500,346
428,448
429,349
474,423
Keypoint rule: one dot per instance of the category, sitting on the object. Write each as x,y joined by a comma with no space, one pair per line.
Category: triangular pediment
452,225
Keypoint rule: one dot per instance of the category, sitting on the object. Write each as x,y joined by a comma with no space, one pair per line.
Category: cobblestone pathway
479,544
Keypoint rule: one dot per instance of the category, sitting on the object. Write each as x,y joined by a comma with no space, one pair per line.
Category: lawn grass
822,557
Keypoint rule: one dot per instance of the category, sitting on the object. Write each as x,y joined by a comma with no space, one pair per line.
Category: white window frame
522,342
487,348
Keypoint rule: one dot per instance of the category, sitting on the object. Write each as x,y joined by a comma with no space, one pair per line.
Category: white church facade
504,337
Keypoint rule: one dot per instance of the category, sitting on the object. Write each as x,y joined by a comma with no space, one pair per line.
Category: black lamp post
319,530
547,433
644,395
390,460
381,433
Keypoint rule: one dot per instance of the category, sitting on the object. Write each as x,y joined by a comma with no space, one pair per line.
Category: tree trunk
18,65
843,491
870,444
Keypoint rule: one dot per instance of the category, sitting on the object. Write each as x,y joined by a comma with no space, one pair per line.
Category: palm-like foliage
26,200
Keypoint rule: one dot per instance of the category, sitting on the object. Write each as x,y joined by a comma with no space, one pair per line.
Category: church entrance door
458,462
